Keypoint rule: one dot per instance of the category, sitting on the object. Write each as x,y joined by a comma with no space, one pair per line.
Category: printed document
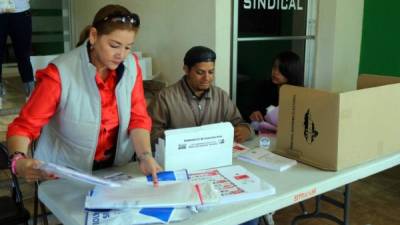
234,183
131,216
191,148
267,159
138,194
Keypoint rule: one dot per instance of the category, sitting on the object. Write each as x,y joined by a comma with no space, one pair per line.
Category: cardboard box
333,131
373,80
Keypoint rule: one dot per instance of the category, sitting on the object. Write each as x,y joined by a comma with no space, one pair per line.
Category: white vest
71,137
14,6
21,5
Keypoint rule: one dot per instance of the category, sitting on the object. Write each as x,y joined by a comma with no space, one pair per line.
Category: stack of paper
231,184
138,202
267,159
235,183
239,148
121,199
136,194
134,216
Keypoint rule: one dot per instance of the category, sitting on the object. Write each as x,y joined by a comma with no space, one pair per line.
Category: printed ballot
139,194
230,184
192,148
267,159
238,149
131,216
234,183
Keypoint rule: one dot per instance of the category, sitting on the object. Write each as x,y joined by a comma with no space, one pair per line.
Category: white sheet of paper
235,183
267,159
136,194
74,175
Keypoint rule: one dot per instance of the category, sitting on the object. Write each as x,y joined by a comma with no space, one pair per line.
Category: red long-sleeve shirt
45,98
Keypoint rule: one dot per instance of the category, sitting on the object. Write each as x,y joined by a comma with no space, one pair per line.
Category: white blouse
14,5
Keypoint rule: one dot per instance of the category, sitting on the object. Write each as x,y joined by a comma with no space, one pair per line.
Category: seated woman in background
286,69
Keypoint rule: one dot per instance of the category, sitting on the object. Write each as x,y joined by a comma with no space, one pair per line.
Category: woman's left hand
148,165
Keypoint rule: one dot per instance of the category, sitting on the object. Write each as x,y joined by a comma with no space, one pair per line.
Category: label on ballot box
192,148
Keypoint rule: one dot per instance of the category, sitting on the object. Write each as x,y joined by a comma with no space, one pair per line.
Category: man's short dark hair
199,54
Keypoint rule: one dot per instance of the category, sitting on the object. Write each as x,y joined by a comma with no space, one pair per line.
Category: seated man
194,101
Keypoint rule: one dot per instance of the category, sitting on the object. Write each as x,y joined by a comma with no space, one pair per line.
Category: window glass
50,29
272,18
254,67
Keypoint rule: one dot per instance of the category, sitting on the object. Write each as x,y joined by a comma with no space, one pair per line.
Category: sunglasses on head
131,19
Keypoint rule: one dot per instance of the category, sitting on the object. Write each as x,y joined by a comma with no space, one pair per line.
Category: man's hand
242,133
256,116
148,165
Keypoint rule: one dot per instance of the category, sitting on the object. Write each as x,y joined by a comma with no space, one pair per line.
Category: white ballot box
146,65
196,148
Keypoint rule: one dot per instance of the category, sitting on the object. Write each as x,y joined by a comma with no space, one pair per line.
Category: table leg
318,214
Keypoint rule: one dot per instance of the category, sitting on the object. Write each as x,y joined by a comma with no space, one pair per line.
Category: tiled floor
374,200
15,95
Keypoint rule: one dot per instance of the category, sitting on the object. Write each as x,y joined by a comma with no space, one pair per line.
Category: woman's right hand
29,169
149,166
256,116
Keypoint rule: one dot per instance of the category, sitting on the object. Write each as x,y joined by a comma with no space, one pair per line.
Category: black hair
198,54
290,66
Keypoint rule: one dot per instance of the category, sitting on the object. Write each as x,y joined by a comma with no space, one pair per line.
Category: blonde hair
104,23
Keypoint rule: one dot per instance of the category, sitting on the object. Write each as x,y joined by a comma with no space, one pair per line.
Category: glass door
261,30
50,29
51,35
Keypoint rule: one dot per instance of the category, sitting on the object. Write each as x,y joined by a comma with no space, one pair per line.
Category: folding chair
12,210
36,202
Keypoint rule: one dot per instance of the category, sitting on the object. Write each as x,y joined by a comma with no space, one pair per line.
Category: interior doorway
261,30
51,35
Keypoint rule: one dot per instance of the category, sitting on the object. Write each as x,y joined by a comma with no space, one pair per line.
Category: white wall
223,43
170,28
338,44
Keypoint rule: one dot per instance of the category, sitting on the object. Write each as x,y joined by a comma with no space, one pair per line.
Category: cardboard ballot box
196,148
333,131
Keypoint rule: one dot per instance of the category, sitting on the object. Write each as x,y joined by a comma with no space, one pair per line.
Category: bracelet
143,156
14,158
